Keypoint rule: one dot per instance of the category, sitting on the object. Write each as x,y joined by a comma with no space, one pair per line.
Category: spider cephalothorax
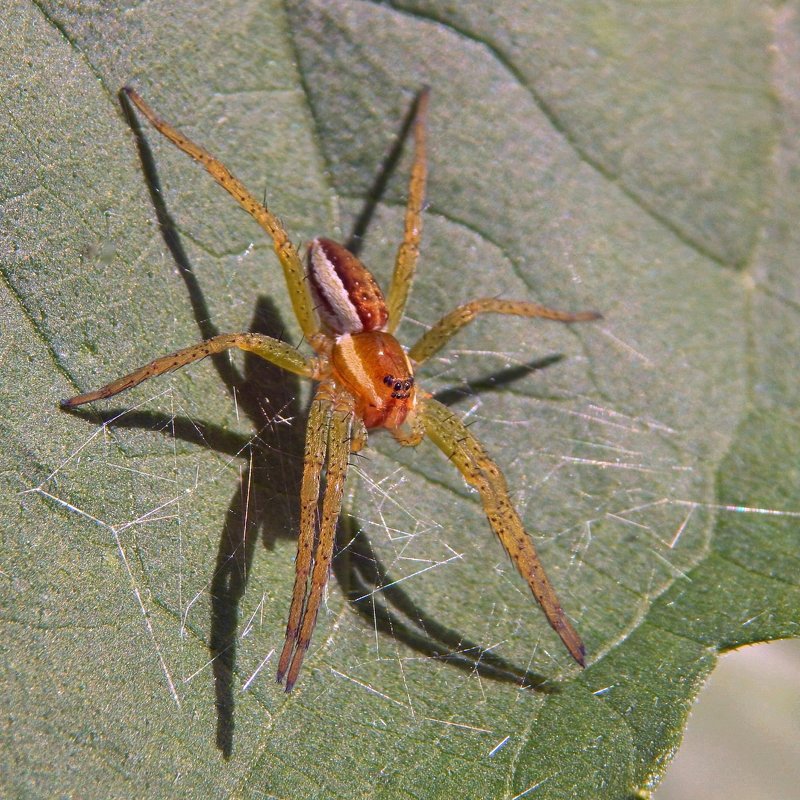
365,380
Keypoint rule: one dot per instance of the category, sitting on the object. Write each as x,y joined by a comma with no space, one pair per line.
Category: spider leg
412,432
293,269
453,438
313,463
337,425
450,324
272,350
406,260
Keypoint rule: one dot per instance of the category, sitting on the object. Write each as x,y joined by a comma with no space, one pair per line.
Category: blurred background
743,738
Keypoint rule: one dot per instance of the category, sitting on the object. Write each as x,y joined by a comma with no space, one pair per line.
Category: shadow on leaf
268,396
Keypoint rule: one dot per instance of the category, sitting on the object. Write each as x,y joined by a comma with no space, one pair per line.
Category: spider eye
388,379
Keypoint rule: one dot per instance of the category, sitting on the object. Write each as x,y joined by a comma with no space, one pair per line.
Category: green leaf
640,160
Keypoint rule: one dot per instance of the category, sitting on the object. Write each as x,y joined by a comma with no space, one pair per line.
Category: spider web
443,599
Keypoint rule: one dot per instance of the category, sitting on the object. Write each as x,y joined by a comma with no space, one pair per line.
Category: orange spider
365,380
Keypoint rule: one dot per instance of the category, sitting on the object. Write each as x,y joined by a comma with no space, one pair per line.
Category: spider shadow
268,397
269,480
383,174
496,381
250,513
391,610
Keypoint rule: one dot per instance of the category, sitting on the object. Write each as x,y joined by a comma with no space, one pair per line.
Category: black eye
398,386
388,379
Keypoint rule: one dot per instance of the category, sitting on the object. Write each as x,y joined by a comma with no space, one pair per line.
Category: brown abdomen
347,297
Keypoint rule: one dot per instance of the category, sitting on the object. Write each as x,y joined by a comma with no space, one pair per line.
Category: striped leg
450,324
272,350
406,260
335,423
313,464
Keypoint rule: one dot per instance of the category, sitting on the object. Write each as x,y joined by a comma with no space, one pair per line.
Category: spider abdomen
377,372
347,297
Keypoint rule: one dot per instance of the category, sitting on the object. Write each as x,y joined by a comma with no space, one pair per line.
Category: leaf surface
642,163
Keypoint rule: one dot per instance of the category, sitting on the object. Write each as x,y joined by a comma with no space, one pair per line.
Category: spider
364,381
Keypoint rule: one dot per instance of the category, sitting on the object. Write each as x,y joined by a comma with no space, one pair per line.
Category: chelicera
364,381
